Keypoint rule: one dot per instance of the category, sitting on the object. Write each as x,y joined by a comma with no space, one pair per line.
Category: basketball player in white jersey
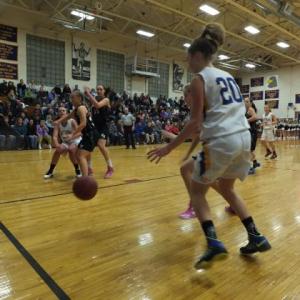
63,145
218,112
268,137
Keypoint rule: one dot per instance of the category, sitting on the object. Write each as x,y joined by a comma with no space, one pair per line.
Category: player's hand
69,138
157,154
87,90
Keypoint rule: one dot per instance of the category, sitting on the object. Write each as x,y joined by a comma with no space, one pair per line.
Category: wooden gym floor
129,244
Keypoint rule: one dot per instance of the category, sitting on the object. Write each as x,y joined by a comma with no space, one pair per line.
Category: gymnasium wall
289,86
27,25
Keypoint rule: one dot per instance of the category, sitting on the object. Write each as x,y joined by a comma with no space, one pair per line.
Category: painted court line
100,188
55,288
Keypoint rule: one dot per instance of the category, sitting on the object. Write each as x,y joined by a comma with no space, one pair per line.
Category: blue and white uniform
225,130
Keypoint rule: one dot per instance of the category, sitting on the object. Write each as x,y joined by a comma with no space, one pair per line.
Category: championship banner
274,94
8,71
178,72
257,81
272,103
81,62
8,33
245,89
8,52
256,95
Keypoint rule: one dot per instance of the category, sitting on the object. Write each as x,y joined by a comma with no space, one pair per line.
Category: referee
127,122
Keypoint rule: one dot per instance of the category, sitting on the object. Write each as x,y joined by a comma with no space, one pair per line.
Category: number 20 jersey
224,108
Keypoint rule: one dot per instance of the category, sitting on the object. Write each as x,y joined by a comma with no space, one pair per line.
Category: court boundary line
100,188
49,281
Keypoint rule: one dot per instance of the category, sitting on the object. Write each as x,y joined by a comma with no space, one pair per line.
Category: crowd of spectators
27,113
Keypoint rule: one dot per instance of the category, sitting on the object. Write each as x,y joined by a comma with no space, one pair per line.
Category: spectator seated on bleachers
140,132
43,134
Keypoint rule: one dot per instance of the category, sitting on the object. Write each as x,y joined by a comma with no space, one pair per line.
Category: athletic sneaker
78,174
268,154
256,243
188,214
109,173
274,156
251,171
256,165
215,251
48,175
90,171
230,210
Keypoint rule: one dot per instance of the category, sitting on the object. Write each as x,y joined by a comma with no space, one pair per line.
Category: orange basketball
85,188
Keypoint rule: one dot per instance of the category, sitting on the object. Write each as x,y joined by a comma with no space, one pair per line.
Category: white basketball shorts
224,157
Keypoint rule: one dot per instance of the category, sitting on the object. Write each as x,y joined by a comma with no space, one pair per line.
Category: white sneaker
49,146
40,147
48,176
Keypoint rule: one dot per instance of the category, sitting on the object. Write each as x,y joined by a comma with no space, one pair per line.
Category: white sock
109,163
90,163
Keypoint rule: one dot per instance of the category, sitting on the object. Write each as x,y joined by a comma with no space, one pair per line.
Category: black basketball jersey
251,124
100,115
90,126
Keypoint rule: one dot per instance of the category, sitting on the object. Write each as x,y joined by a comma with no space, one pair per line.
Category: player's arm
193,125
74,124
274,120
194,144
55,136
82,111
253,116
104,102
65,118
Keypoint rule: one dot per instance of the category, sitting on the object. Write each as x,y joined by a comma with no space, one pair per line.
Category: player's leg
61,149
83,156
102,147
257,242
186,171
215,248
72,149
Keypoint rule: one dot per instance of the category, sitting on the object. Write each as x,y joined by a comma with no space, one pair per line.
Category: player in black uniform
86,129
100,116
252,118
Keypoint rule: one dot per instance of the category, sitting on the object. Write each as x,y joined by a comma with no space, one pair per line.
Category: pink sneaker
188,214
90,171
109,173
230,210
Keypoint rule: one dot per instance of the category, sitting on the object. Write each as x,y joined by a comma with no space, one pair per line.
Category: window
45,60
111,70
160,86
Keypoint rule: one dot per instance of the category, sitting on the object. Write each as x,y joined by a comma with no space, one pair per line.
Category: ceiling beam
263,19
237,36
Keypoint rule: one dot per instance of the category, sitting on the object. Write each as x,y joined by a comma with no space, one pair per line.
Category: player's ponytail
212,37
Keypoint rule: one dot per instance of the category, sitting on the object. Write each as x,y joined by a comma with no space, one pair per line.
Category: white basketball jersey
224,108
65,131
267,121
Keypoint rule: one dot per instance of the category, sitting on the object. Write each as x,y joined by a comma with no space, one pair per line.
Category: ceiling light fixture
209,10
250,66
187,45
223,57
82,15
251,29
283,45
145,33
